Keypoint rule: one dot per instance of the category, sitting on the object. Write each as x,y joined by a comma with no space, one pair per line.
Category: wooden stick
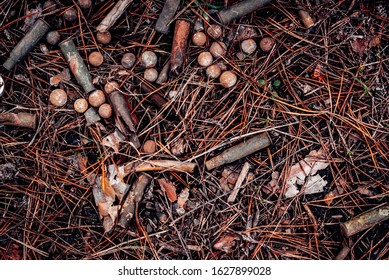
134,197
239,181
239,151
180,41
113,15
158,100
166,16
20,119
164,74
159,165
365,220
121,110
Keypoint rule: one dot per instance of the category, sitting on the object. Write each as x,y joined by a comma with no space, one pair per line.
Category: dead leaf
307,167
360,45
113,140
7,171
183,198
178,148
169,188
328,198
226,242
116,174
64,76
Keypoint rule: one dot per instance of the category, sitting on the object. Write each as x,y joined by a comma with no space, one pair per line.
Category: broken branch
77,65
239,181
239,151
133,198
121,109
37,31
365,220
113,15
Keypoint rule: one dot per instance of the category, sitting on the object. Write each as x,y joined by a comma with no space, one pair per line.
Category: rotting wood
365,220
113,15
134,197
165,18
239,151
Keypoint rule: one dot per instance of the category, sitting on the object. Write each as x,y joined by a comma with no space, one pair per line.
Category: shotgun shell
37,31
166,16
180,41
240,9
77,65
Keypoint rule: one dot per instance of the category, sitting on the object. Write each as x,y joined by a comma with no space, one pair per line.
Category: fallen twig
159,165
365,220
121,110
239,151
113,15
238,184
134,196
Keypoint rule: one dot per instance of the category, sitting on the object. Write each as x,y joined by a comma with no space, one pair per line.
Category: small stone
215,31
149,147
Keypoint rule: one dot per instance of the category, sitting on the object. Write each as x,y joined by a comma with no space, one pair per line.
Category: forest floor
318,96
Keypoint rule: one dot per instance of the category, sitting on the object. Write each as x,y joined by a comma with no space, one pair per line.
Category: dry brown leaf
226,242
328,198
178,148
359,45
169,188
64,76
113,140
116,174
307,167
183,198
